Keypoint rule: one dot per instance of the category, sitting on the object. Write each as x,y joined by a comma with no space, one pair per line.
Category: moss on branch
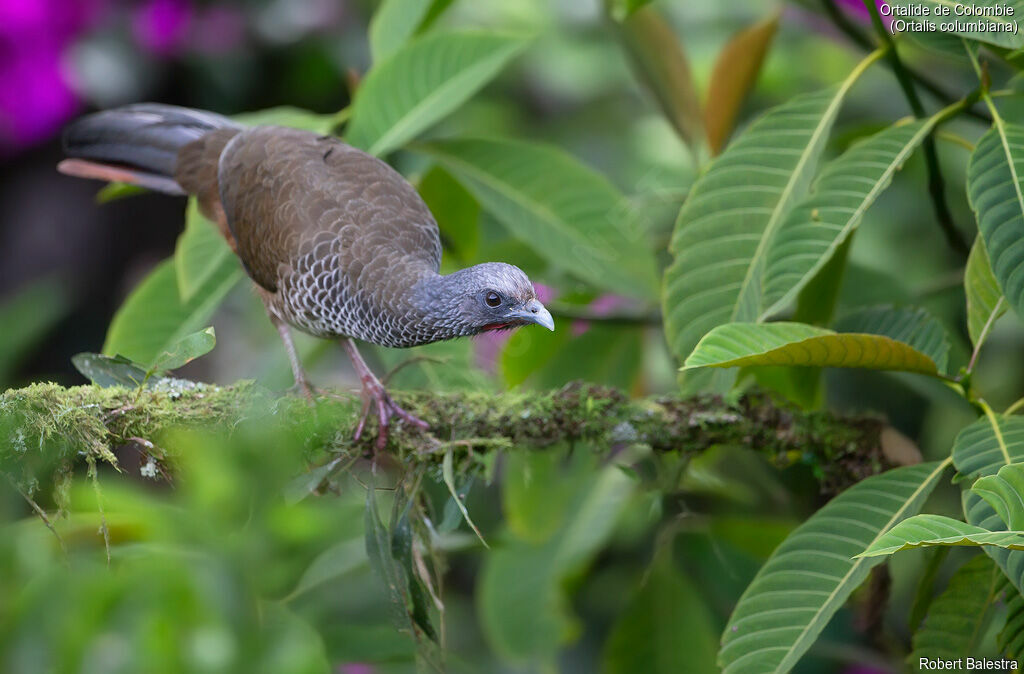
47,425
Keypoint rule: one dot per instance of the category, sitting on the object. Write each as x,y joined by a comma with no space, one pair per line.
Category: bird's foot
307,390
376,398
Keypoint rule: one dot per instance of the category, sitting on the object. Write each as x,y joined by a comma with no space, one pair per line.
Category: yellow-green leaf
796,344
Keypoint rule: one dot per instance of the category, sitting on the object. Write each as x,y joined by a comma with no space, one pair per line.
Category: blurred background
66,263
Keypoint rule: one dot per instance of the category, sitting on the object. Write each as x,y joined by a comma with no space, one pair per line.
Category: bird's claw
375,396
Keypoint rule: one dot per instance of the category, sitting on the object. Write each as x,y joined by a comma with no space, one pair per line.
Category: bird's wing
285,190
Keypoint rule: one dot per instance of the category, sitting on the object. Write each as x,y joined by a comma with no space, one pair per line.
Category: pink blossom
161,26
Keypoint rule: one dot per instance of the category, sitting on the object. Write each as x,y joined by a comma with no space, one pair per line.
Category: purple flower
38,96
161,26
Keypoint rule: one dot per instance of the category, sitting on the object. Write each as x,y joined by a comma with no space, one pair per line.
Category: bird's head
491,296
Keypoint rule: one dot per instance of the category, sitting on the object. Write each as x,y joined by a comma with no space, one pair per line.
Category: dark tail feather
137,143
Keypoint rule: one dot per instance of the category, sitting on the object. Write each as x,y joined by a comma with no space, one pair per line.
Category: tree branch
66,423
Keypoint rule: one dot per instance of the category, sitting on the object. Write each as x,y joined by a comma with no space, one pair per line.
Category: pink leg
375,394
301,382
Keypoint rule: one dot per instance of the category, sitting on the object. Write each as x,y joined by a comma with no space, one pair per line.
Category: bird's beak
534,312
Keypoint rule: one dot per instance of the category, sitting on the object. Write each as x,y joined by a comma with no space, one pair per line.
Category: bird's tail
137,144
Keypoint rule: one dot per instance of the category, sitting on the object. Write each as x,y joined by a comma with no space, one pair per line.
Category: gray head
488,296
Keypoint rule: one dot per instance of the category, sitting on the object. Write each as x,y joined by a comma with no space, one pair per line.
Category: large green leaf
810,576
153,318
996,191
985,302
665,629
988,444
584,226
998,30
812,232
1004,491
395,21
955,620
796,344
721,238
200,254
912,326
1011,638
423,82
925,531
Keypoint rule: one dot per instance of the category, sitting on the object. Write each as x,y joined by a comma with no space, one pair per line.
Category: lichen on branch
47,427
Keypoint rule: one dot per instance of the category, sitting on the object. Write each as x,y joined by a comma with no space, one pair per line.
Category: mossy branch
47,424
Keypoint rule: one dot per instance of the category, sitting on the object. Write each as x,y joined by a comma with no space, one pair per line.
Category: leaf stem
1014,408
936,184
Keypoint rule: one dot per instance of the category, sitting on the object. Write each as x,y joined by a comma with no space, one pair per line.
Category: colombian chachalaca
338,244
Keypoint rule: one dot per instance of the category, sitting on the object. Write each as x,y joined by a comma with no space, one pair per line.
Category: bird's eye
492,299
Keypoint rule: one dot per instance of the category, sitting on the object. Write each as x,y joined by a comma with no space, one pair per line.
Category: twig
104,529
582,314
847,28
42,514
936,185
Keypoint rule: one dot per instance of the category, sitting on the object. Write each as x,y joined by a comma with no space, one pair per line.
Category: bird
337,243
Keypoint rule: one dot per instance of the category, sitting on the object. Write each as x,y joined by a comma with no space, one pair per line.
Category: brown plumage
338,243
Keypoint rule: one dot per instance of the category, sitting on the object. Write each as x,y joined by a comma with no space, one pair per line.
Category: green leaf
395,21
585,226
666,628
923,531
334,562
722,235
448,473
286,115
106,371
153,318
27,316
185,350
520,598
810,576
421,83
114,191
985,302
914,327
997,30
1004,491
734,75
814,230
996,192
796,344
661,64
200,254
955,621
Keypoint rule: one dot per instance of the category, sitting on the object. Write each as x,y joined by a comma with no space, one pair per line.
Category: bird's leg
301,381
374,394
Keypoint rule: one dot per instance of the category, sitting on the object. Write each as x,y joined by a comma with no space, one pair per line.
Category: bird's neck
437,300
